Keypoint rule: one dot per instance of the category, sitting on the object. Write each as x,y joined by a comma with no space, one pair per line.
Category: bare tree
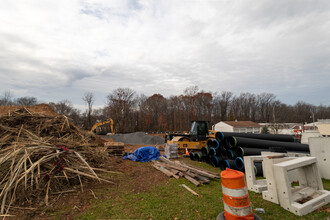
27,101
89,99
120,106
63,107
6,98
66,108
141,120
266,101
177,112
191,91
189,103
225,100
204,105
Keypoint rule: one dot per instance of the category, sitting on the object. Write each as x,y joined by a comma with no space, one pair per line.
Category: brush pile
42,155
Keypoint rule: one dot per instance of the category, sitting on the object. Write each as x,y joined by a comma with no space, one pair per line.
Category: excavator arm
110,121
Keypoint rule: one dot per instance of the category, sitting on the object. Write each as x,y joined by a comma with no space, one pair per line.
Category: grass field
169,200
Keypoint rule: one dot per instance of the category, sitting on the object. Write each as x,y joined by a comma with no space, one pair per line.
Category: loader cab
199,130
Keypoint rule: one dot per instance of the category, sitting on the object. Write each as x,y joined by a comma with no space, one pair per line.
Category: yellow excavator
194,140
99,124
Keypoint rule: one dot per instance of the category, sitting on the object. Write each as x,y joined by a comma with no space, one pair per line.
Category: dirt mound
41,155
42,109
137,138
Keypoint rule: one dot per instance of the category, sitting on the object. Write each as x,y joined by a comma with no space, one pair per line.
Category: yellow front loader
194,140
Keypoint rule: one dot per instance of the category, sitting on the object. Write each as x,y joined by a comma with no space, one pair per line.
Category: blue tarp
144,154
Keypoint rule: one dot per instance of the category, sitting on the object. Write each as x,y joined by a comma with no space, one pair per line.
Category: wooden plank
193,175
203,173
203,179
110,144
174,171
163,169
190,190
180,168
187,165
175,175
165,160
166,172
181,174
192,180
195,170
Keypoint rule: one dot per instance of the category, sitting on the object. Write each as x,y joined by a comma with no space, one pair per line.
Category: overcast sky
57,50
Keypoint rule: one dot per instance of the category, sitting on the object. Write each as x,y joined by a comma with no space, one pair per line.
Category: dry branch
35,149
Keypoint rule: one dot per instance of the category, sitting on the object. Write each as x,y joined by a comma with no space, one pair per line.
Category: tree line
137,112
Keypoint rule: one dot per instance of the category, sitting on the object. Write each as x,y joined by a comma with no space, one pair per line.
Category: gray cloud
58,50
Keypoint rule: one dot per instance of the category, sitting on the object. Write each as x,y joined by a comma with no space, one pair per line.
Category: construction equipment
99,124
194,140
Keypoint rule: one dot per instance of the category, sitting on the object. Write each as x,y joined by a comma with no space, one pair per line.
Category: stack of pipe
246,144
229,148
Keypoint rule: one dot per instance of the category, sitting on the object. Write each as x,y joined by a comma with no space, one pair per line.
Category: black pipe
198,156
209,143
207,159
239,152
219,152
219,136
231,142
215,161
227,163
223,154
272,137
244,151
258,169
212,151
229,155
215,144
258,143
205,151
223,146
239,163
192,155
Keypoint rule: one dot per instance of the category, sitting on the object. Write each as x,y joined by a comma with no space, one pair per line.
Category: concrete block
309,134
271,193
288,154
295,154
252,183
306,197
320,148
171,151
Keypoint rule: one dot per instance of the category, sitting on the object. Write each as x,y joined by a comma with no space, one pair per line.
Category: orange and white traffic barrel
236,200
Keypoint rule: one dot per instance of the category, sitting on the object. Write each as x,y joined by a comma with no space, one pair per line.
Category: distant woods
138,112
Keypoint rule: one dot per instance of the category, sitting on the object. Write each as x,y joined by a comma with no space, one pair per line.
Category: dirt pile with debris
137,138
42,155
42,109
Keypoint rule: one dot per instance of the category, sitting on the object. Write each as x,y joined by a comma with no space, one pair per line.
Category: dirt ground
69,205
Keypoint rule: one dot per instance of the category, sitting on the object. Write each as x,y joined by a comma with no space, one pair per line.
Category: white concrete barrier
252,183
271,193
306,197
320,148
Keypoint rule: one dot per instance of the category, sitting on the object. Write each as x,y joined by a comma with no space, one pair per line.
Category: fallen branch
87,175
